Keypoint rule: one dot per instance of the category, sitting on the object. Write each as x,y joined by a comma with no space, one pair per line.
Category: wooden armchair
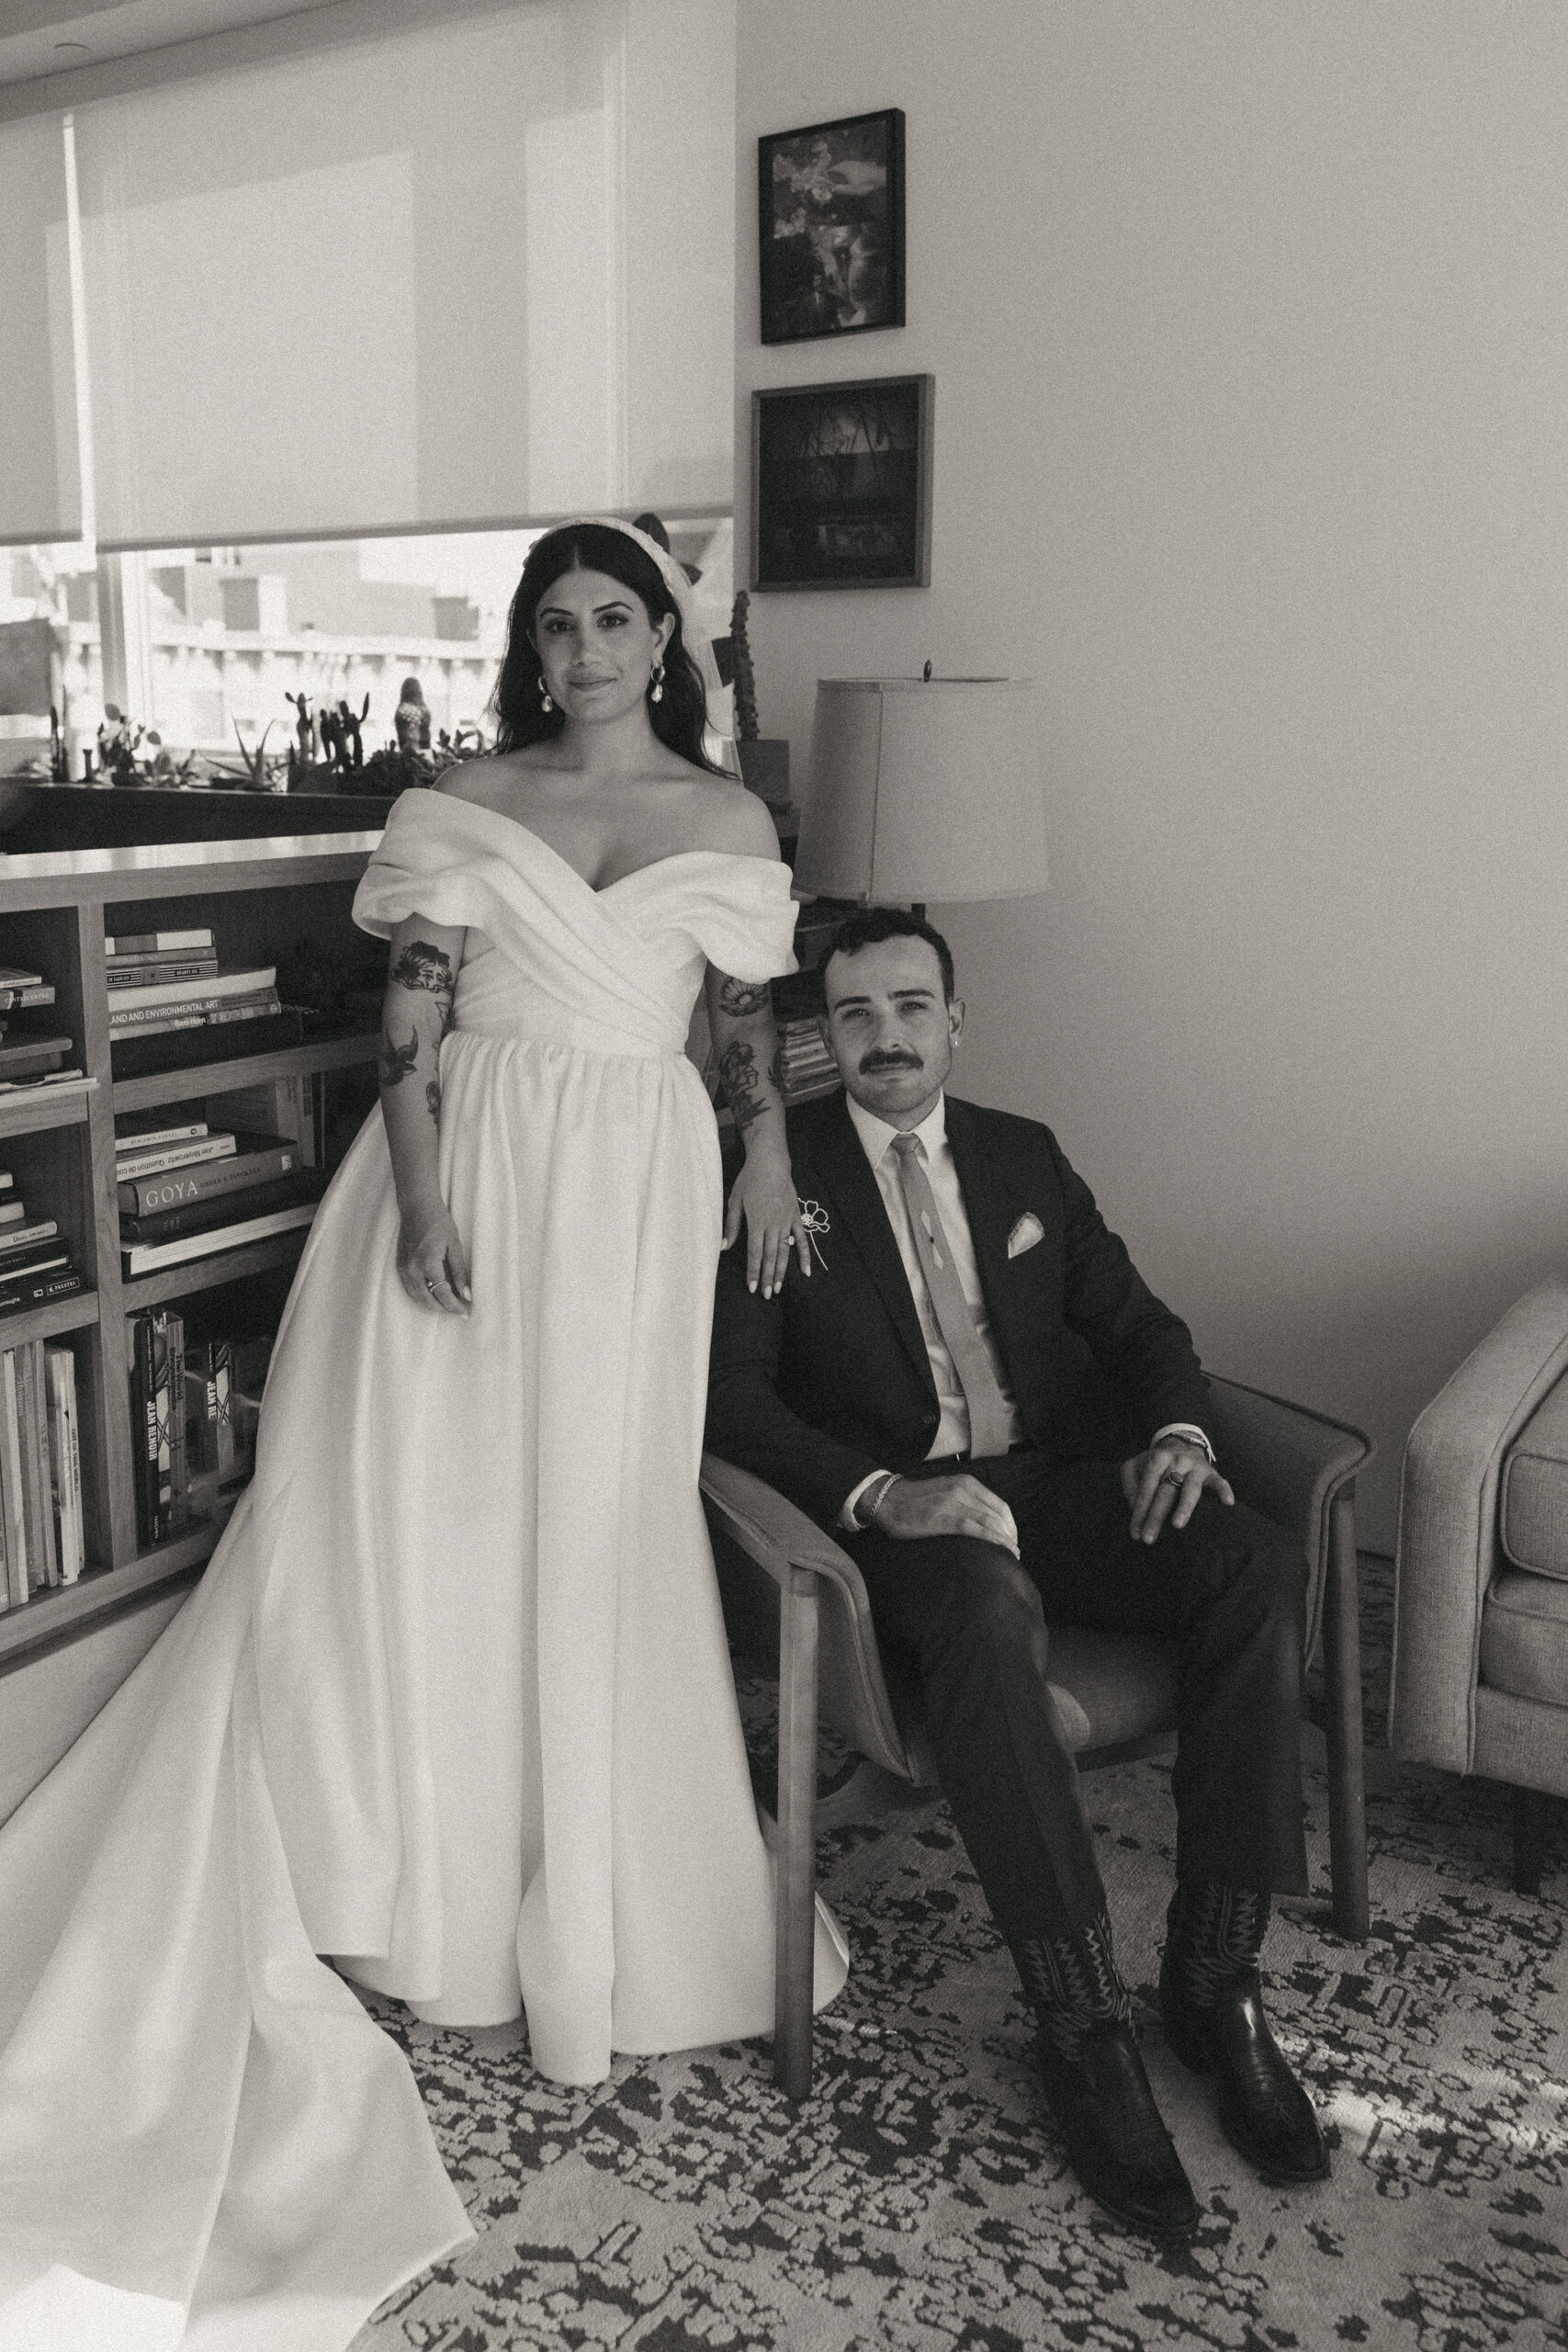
1116,1693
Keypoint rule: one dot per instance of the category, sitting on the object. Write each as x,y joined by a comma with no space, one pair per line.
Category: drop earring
656,684
545,702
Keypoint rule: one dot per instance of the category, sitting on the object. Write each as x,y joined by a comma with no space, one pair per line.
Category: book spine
11,1212
210,990
179,1486
137,1257
26,1433
37,1387
129,1165
129,1139
40,1292
11,1481
74,1534
223,1407
22,1236
169,1008
154,1196
5,1544
245,1008
17,999
140,972
144,1418
154,943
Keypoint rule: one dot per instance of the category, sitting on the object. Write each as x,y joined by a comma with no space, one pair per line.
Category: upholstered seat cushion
1524,1638
1534,1511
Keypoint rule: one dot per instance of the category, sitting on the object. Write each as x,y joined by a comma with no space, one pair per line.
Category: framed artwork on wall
830,226
842,484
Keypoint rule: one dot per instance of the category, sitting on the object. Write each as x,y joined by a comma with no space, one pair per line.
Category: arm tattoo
432,1099
740,998
397,1061
422,966
739,1076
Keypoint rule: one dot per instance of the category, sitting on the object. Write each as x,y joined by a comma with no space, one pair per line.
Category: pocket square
1025,1234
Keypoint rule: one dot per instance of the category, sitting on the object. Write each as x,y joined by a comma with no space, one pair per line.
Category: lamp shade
923,790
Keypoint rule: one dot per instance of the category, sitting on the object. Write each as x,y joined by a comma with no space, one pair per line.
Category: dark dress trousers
830,1379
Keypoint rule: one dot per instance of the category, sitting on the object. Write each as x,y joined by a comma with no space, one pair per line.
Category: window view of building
210,648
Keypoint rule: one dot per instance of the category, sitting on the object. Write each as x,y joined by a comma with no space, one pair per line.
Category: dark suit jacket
830,1379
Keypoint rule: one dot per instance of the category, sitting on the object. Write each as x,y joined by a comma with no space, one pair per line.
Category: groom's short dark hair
868,926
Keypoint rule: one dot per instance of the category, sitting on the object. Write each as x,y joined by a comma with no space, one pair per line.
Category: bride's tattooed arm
416,1016
747,1056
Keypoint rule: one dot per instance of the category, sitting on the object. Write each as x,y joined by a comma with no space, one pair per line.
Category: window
205,646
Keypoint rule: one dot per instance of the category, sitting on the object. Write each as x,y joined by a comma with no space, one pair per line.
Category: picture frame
830,226
842,484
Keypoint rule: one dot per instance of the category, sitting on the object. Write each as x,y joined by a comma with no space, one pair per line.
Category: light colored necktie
988,1408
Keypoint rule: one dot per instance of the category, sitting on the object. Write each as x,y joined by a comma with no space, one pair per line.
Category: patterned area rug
919,2201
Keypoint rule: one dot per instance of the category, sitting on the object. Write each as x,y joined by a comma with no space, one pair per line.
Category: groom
977,1394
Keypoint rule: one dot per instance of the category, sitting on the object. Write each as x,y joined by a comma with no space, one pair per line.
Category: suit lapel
847,1179
986,1201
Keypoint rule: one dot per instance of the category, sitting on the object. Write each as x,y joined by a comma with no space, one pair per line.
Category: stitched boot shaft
1214,1934
1074,1984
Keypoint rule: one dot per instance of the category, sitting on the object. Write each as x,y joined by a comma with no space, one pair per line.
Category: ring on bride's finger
1173,1477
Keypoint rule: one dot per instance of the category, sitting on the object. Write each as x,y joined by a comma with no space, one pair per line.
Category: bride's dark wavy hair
681,714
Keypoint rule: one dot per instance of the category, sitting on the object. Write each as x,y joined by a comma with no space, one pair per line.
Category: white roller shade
39,480
422,278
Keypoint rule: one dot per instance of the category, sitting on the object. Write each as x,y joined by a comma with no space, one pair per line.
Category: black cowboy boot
1211,1998
1115,2135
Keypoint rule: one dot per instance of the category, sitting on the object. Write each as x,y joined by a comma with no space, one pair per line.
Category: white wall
1250,333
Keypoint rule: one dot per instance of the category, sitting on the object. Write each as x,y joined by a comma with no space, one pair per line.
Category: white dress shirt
942,1174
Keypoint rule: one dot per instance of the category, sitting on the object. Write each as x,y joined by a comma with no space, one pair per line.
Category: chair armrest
778,1537
1289,1464
1447,1551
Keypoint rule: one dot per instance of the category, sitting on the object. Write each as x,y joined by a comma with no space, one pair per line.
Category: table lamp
923,790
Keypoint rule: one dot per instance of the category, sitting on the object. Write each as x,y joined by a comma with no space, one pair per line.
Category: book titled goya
227,1222
248,1161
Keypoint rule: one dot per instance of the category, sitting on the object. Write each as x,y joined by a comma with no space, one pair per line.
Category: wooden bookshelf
261,897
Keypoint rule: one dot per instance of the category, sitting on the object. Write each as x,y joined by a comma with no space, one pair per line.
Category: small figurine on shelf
411,721
332,737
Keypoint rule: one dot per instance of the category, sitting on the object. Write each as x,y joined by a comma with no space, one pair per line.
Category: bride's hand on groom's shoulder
433,1265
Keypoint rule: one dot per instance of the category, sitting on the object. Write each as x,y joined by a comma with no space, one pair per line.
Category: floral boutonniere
815,1220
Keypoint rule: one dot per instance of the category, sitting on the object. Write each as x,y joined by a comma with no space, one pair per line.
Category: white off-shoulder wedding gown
452,1702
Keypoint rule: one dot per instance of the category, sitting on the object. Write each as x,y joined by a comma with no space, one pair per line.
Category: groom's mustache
875,1062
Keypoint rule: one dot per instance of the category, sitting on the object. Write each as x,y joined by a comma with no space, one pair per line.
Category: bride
452,1704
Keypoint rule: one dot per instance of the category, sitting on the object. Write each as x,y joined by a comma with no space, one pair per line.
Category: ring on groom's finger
1173,1477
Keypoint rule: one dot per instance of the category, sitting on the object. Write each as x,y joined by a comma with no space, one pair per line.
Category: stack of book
35,1264
32,1052
805,1066
163,983
193,1422
188,1191
40,1471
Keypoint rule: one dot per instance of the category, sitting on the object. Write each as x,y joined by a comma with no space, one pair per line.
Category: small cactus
748,727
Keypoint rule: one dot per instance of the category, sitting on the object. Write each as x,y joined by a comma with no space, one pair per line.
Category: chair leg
1347,1764
795,1929
1532,1832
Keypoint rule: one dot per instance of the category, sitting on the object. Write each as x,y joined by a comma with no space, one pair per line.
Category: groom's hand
1167,1481
955,1506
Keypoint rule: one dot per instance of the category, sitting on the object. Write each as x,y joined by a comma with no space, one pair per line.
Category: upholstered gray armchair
1115,1694
1481,1635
